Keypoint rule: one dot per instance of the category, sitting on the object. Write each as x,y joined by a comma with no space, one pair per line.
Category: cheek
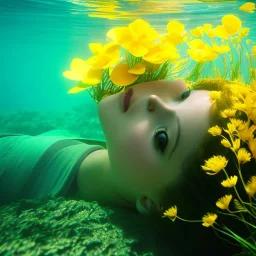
140,163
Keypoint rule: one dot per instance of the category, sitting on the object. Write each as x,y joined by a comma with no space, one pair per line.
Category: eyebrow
177,138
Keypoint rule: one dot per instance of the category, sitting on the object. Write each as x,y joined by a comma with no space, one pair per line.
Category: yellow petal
207,27
139,26
198,31
226,143
79,68
120,75
223,203
232,24
247,7
73,75
221,32
244,32
120,34
138,69
111,48
160,53
96,48
196,55
135,48
92,77
196,43
209,53
175,27
152,34
77,89
230,182
209,219
252,146
221,48
254,50
215,130
79,65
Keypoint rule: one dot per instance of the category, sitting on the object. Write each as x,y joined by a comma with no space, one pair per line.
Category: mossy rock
62,226
59,226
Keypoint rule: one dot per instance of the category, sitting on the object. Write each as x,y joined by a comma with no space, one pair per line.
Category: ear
146,206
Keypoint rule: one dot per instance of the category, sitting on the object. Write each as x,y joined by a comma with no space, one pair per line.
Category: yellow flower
214,95
251,186
248,41
171,213
243,156
247,133
224,201
236,144
228,113
201,52
138,69
198,31
176,33
215,164
209,219
215,130
252,146
221,48
120,75
247,7
230,182
239,124
254,50
82,72
137,38
208,30
244,32
232,24
220,32
161,52
231,128
248,104
105,56
252,115
226,143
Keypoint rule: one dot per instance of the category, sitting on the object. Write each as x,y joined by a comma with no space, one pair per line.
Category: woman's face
148,143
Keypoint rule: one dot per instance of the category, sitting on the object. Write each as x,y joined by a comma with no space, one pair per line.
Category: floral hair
138,53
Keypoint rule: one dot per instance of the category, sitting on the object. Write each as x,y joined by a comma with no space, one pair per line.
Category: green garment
35,166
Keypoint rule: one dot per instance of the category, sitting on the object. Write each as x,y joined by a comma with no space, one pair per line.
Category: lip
126,99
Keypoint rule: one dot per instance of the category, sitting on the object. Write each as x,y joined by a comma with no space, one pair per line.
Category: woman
160,110
156,140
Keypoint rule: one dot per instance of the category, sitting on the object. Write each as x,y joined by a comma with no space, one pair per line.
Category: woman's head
162,116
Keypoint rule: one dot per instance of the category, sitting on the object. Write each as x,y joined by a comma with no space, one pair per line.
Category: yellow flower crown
240,138
138,53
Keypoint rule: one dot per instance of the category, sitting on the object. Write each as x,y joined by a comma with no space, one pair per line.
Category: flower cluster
138,53
239,136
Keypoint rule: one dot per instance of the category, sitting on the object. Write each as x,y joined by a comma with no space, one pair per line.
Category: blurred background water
39,38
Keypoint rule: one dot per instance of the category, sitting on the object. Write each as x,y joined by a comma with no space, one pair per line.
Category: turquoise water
39,38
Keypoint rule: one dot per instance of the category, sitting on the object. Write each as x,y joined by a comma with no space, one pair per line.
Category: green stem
188,220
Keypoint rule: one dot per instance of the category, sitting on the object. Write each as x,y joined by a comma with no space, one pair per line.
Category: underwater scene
128,127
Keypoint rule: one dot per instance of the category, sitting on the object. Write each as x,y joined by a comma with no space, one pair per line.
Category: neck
95,180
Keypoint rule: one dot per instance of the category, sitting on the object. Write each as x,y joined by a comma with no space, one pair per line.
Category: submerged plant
138,53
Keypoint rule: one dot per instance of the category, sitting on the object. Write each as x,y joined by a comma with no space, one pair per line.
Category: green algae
57,226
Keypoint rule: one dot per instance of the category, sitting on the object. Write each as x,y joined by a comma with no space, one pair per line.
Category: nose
160,107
